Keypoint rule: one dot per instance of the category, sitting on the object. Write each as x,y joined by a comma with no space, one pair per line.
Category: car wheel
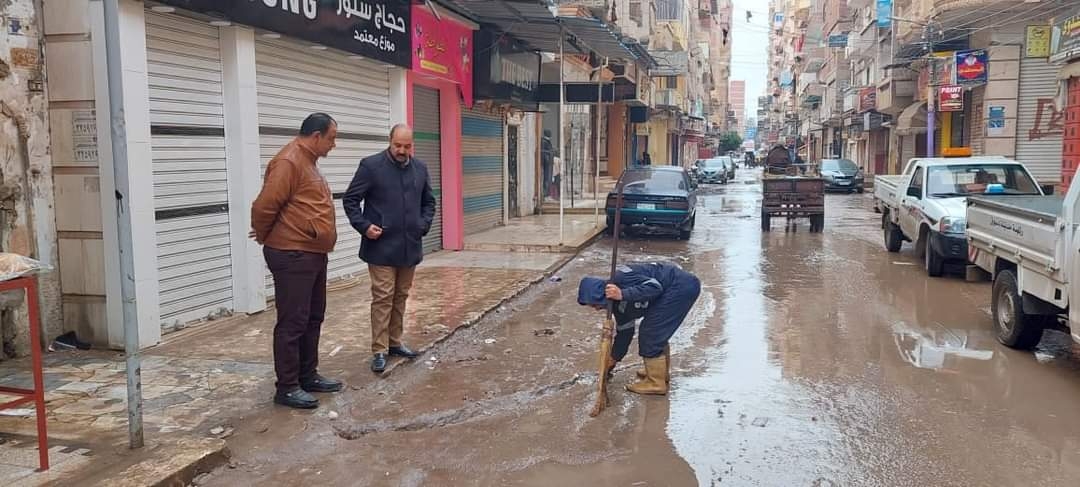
860,190
935,262
1014,328
894,239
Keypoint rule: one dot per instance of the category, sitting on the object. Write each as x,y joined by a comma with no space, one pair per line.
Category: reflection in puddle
930,351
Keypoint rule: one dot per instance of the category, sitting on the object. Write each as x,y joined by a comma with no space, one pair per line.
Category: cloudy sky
749,49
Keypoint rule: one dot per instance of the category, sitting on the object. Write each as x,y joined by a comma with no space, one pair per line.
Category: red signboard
443,48
867,99
950,98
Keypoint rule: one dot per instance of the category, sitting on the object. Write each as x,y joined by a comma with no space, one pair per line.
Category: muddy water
810,359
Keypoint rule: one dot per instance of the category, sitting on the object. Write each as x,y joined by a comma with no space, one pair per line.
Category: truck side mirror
1048,189
914,192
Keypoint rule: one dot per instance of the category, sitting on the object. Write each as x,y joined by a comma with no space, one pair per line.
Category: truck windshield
963,180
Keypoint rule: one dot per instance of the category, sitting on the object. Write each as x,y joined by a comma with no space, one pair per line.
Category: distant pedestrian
646,160
391,204
547,161
293,219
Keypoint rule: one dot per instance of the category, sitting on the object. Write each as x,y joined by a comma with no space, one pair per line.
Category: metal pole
118,133
599,125
562,137
930,114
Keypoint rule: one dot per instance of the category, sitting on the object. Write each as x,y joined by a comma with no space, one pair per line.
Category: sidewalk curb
469,323
173,464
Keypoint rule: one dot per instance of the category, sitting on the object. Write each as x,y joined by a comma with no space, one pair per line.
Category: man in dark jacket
658,293
391,204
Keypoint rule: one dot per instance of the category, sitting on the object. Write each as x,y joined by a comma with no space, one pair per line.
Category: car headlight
953,225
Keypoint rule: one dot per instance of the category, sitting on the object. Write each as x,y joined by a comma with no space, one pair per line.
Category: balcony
668,98
694,127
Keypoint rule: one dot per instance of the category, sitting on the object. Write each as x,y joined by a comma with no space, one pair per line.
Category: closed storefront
427,147
189,176
293,81
1070,147
482,164
1039,120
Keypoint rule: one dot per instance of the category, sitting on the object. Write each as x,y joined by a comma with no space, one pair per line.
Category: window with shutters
635,12
668,10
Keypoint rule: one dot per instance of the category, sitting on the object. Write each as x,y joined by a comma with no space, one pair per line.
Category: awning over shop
534,23
912,120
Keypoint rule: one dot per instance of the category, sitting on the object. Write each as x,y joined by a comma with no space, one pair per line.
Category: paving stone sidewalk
205,380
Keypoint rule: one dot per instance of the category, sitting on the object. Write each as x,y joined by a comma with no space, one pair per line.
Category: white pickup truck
1030,245
926,205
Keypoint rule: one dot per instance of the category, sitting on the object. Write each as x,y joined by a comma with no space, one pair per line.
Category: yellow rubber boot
655,381
667,353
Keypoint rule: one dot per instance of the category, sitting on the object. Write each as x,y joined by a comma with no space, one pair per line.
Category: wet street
809,360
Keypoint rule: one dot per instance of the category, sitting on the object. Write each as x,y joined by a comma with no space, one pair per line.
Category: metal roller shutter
294,81
978,123
426,129
1039,121
482,165
190,188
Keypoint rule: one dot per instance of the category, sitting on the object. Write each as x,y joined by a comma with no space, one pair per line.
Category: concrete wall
27,219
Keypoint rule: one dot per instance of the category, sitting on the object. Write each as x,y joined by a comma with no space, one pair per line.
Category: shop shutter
978,121
190,188
1040,122
427,148
293,81
1070,147
482,164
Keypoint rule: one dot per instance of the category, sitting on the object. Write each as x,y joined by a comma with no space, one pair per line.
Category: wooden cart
791,190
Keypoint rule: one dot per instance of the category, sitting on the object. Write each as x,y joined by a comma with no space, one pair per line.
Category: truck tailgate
885,187
1018,228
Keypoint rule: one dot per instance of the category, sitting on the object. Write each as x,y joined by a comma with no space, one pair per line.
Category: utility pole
120,164
930,84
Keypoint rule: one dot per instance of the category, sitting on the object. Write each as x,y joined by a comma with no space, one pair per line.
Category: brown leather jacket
295,209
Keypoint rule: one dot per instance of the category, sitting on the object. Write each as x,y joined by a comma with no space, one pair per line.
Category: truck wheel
1014,328
894,239
935,263
766,224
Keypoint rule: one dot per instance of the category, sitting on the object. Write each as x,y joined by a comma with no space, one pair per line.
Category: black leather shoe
318,383
296,398
378,364
403,351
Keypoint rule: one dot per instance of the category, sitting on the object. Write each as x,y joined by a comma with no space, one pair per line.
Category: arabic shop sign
1065,39
971,66
377,30
443,48
505,70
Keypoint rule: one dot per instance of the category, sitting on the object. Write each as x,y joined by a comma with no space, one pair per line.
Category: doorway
512,170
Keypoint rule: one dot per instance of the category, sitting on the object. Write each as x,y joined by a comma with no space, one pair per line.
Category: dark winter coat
396,198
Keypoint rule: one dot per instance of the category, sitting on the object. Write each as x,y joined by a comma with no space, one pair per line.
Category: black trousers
300,299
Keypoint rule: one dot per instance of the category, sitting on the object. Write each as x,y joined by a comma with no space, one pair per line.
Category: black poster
377,30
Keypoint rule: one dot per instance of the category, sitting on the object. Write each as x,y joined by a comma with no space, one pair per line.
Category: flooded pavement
809,360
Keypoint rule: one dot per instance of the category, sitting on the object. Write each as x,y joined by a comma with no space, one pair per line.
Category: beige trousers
389,290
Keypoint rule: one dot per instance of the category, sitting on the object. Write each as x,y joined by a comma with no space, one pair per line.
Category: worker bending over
659,293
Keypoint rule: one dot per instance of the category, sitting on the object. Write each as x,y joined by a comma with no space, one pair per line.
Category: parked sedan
715,170
655,197
842,175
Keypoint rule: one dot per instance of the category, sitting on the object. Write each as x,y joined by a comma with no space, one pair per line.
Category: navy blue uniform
660,293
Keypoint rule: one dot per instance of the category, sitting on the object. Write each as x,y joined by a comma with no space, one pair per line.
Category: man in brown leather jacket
293,219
